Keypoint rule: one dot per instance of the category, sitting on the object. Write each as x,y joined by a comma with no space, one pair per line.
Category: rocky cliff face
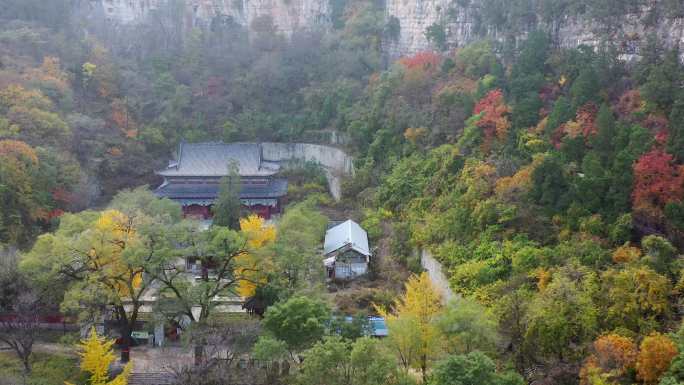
287,15
461,24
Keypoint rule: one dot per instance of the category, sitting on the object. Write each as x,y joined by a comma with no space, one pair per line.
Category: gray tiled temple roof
275,188
212,159
346,233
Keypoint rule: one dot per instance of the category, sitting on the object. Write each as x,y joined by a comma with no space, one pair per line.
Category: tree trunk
26,361
204,313
125,329
199,354
126,343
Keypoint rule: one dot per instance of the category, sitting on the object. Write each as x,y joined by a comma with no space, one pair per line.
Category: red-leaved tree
658,180
494,121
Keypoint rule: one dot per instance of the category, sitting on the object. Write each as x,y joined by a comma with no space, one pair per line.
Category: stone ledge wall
335,162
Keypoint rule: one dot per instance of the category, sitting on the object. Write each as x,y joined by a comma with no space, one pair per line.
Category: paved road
436,274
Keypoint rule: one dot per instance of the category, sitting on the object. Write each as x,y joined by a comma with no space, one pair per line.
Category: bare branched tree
20,311
20,326
221,356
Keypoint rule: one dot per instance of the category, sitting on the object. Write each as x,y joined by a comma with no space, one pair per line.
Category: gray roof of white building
213,158
346,233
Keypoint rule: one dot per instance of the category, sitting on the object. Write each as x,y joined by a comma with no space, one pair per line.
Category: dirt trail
434,269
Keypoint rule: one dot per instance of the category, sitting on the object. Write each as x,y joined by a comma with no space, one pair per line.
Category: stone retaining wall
334,161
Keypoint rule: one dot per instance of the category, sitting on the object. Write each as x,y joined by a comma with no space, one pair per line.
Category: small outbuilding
347,254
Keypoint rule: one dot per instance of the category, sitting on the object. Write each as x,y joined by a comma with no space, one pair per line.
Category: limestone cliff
462,24
458,19
287,15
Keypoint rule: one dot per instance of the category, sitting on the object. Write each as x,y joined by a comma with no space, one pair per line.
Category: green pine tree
675,141
228,206
561,113
602,142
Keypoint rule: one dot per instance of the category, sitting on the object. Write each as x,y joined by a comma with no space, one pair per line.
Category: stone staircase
159,378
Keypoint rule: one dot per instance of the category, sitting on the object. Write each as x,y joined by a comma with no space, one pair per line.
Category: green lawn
48,369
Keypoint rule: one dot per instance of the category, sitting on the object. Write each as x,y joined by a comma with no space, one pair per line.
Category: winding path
434,270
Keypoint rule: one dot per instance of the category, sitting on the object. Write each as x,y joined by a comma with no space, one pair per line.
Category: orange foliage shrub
18,151
613,356
459,84
586,117
122,118
16,95
518,183
615,352
115,151
656,353
415,135
49,72
626,254
543,278
584,124
422,60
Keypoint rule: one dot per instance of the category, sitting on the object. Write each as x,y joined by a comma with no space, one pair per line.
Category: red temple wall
204,212
197,212
262,211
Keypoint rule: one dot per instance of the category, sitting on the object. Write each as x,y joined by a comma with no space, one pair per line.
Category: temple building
193,179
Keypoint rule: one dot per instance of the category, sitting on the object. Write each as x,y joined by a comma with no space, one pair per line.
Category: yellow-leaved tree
252,267
96,356
119,232
413,333
104,255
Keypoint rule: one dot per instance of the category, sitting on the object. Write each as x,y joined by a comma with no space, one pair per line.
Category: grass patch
48,369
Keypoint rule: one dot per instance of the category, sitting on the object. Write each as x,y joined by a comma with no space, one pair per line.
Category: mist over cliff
416,25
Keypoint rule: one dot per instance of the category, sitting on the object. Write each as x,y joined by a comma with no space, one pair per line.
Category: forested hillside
100,112
557,204
549,182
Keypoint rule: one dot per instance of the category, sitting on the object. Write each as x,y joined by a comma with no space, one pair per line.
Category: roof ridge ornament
180,153
261,155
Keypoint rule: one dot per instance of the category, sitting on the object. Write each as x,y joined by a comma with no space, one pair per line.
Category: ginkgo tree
104,257
90,249
253,266
96,357
412,323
